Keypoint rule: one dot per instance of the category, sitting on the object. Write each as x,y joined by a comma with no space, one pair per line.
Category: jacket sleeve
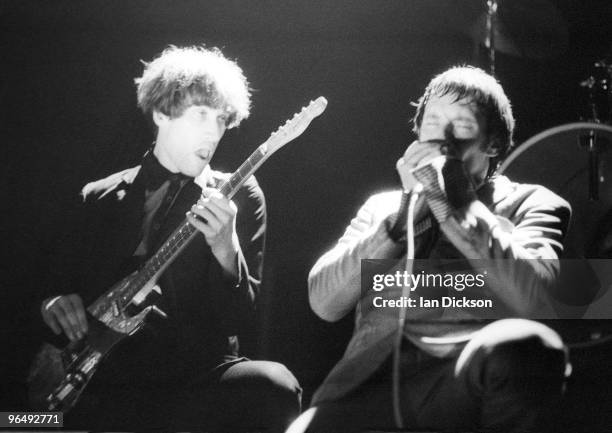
334,281
237,295
520,253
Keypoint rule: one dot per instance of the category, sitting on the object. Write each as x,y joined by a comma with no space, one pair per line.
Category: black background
68,115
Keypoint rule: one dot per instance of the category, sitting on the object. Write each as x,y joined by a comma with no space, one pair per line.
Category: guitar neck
179,239
185,232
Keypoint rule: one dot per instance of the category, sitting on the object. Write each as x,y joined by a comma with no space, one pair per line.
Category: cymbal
524,28
567,172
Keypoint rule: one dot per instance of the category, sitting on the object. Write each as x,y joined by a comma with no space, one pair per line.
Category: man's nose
449,131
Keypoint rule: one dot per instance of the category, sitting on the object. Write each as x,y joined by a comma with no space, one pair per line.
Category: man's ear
494,149
159,118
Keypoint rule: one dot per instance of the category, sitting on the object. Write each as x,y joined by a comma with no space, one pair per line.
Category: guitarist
186,372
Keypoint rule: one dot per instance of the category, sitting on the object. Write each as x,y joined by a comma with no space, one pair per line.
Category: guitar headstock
295,126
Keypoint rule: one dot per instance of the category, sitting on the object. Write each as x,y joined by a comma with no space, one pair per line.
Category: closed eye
431,117
464,123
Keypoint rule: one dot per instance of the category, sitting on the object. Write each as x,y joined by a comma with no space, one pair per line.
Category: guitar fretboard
183,234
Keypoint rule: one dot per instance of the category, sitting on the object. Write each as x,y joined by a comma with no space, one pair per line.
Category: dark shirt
161,190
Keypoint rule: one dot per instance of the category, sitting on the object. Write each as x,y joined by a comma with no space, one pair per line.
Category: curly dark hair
183,76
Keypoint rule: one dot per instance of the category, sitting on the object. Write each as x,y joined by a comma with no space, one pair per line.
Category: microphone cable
397,413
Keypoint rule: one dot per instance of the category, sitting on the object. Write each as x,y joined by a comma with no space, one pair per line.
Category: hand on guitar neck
65,314
215,216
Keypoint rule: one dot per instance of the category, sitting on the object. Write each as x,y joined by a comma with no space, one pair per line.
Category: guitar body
58,377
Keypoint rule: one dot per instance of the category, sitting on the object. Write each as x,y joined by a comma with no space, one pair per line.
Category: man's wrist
227,256
396,222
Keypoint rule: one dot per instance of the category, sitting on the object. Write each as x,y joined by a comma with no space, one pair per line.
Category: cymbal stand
491,24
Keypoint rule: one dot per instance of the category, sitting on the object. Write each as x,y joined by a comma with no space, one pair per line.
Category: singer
505,375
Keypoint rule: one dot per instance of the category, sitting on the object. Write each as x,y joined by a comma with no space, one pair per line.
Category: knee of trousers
514,349
273,381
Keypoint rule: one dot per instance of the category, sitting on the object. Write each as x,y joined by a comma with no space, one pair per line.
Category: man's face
187,143
444,115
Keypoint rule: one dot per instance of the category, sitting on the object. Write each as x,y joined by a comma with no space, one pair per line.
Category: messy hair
481,88
183,76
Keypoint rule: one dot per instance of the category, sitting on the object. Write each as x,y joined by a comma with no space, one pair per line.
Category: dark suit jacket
205,307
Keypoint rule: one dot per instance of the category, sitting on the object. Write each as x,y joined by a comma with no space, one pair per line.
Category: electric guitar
57,376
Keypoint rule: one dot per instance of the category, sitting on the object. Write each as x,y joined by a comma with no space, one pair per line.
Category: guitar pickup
116,310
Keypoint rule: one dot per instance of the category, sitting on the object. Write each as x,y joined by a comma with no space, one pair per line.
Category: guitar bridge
68,391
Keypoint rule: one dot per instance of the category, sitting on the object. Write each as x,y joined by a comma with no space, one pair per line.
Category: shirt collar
494,190
155,174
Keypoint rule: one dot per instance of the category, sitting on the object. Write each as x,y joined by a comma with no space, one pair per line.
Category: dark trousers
239,396
502,383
